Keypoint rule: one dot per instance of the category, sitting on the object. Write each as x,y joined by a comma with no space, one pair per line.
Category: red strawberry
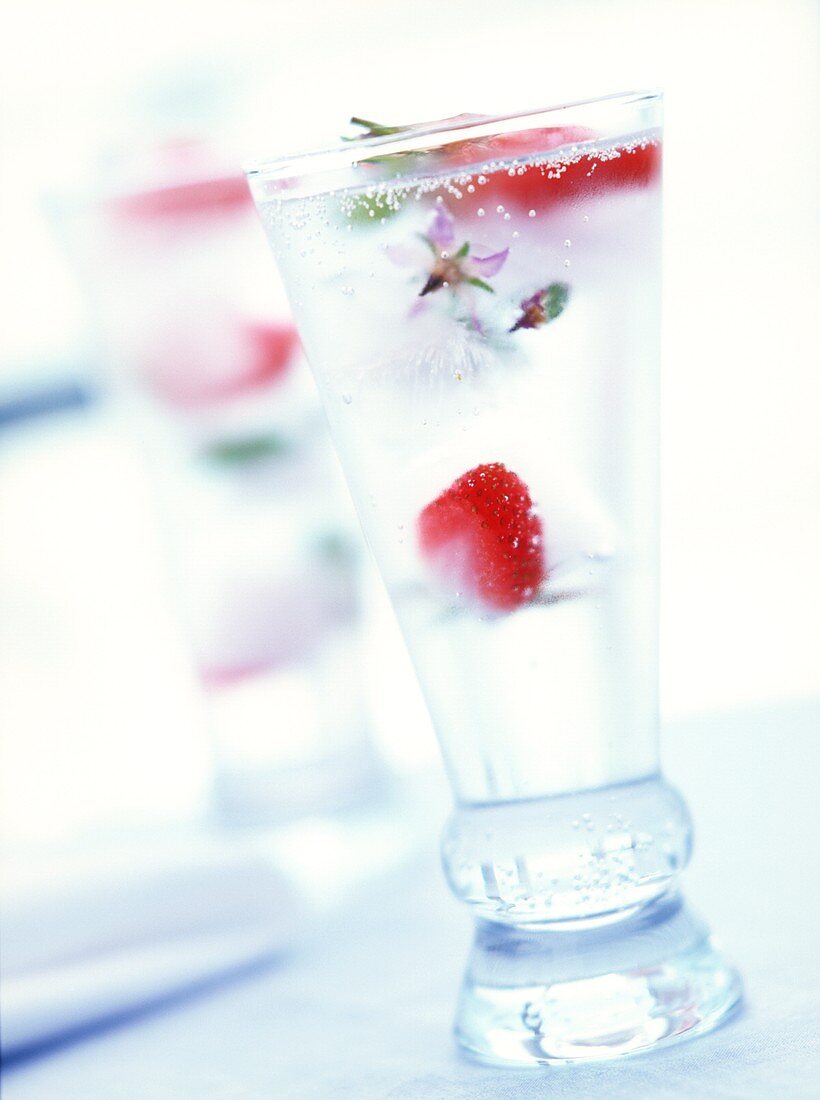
275,345
186,372
586,178
534,188
483,537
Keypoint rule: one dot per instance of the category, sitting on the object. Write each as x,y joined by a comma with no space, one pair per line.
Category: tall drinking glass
479,300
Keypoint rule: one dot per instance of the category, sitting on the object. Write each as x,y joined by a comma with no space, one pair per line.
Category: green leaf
429,243
370,209
463,251
475,281
237,452
335,547
556,297
376,129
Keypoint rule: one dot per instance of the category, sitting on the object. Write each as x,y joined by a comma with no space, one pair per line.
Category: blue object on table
61,395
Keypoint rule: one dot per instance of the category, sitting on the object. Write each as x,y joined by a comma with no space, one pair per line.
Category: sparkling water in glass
479,300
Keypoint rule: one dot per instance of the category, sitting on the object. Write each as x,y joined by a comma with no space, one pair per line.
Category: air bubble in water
499,209
567,243
347,398
480,212
531,214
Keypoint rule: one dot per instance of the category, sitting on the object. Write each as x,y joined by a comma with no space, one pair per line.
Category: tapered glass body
480,302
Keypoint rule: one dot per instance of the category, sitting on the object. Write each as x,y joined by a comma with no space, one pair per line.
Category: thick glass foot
585,991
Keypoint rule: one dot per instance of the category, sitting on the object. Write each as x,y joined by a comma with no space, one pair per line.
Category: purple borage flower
447,264
451,267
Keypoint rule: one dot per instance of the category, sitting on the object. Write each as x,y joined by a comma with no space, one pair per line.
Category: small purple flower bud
442,233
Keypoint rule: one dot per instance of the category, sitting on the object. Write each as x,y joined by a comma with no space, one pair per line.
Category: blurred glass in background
266,557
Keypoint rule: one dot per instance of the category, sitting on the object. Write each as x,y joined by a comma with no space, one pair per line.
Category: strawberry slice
587,178
210,197
524,143
482,536
274,347
534,188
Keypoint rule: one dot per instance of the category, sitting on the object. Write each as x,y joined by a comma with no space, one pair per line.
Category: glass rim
416,136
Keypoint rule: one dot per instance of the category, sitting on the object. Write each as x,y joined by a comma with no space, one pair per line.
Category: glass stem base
580,991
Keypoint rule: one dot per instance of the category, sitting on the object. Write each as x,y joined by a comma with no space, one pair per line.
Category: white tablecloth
362,1007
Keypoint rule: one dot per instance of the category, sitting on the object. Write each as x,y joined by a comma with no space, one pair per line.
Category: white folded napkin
92,935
